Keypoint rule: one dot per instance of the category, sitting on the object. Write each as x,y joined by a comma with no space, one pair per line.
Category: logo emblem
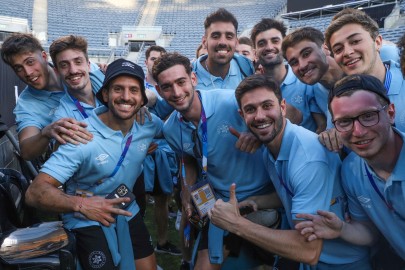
364,201
298,99
97,259
102,158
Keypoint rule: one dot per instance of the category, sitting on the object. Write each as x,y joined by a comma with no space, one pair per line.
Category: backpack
13,212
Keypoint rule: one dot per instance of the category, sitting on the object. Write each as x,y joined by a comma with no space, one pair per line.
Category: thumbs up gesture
226,214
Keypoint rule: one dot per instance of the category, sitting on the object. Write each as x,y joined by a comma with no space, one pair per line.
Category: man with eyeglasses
373,175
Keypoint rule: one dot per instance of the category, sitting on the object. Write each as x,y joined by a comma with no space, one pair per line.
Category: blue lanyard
374,185
79,106
284,185
123,154
388,78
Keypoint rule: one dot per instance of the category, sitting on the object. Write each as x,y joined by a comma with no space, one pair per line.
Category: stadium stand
20,9
92,19
187,26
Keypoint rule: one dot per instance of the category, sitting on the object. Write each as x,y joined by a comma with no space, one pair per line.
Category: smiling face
73,68
268,48
31,68
177,88
307,61
124,97
367,142
220,40
263,114
355,51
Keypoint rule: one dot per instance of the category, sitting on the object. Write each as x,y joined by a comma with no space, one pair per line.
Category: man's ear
157,87
105,94
240,113
378,42
391,113
204,42
194,79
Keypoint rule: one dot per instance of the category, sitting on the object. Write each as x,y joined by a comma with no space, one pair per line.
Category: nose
348,50
73,69
358,129
125,94
176,90
260,114
28,70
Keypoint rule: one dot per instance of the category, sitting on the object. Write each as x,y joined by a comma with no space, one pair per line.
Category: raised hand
325,225
246,142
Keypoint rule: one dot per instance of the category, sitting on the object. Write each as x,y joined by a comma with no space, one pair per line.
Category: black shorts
92,248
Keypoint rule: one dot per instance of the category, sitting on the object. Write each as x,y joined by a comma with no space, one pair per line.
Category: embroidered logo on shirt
52,111
365,202
102,159
223,129
142,147
298,99
97,259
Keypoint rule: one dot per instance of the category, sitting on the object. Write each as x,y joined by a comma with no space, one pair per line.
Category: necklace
206,67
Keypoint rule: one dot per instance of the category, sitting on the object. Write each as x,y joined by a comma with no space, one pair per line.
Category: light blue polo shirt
389,52
226,164
302,97
306,177
206,81
396,94
321,94
36,108
67,107
161,107
365,203
88,166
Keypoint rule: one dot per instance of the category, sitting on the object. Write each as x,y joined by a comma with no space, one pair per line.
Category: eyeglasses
367,119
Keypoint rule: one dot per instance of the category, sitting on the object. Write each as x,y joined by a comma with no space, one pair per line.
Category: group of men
243,141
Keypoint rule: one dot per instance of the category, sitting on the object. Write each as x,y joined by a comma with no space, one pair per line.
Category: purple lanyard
284,185
123,154
79,106
388,78
374,185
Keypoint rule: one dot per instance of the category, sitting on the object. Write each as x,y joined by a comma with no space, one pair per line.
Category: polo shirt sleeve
63,163
312,188
158,126
24,117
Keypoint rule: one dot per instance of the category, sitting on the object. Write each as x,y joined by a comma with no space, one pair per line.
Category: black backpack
13,212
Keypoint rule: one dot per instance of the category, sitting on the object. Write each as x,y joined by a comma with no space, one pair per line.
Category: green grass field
165,261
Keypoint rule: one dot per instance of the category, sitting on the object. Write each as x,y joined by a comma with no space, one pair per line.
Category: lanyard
373,184
123,154
388,78
204,152
79,107
284,185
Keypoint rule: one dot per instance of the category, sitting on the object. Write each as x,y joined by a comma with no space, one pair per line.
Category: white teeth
34,79
363,142
127,106
222,51
262,126
352,62
75,78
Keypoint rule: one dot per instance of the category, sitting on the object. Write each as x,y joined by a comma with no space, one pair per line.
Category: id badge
203,197
84,194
